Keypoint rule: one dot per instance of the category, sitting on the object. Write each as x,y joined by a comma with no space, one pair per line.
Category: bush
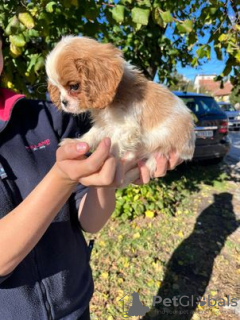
158,196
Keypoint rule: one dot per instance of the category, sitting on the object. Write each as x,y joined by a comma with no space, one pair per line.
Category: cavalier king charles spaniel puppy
141,117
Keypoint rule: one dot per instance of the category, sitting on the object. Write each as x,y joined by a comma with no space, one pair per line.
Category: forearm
23,227
96,208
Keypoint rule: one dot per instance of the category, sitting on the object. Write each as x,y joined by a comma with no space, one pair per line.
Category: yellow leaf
213,293
136,235
149,214
195,317
26,19
10,85
136,197
180,234
215,310
104,275
150,283
158,283
102,243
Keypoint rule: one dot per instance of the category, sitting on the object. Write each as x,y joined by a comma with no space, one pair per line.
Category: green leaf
157,17
166,16
237,56
17,40
213,10
125,1
185,27
50,5
39,64
223,37
33,60
13,26
15,51
118,13
194,62
204,51
140,16
218,52
26,19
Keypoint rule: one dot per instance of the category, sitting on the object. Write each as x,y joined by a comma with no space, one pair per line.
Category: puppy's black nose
65,102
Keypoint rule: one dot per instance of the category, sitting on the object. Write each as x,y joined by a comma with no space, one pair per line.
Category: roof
214,87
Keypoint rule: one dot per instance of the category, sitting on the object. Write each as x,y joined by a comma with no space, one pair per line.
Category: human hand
96,170
163,165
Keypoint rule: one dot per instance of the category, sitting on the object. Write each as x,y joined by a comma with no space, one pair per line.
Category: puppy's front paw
67,140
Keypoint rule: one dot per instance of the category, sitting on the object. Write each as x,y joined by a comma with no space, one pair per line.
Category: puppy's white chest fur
123,129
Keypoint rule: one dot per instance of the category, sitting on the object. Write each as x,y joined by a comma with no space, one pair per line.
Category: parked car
211,126
232,114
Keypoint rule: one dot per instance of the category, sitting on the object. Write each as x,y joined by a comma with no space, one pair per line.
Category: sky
214,66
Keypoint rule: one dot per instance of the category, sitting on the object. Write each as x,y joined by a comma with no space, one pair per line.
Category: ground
190,257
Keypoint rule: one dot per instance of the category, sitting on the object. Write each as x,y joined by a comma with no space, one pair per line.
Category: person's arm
23,227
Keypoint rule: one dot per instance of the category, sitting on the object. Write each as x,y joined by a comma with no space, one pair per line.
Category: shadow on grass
189,269
196,173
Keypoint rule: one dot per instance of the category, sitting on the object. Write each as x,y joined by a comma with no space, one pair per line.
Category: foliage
153,34
235,96
180,83
147,200
167,195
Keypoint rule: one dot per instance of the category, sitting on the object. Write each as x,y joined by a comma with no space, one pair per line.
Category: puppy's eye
74,87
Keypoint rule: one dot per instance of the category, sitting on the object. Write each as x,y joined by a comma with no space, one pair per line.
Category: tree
153,34
180,83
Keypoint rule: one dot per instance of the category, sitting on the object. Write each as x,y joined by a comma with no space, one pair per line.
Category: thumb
70,151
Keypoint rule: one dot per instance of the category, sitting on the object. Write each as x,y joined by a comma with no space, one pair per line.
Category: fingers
162,166
72,151
143,173
98,157
68,157
105,176
173,161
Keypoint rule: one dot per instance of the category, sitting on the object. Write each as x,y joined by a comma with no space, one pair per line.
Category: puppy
140,116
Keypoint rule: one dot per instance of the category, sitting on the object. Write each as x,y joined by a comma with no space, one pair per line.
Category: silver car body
232,114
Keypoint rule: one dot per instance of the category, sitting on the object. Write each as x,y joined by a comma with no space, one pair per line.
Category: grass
161,254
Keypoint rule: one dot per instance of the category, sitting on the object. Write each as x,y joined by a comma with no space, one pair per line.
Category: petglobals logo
132,306
186,301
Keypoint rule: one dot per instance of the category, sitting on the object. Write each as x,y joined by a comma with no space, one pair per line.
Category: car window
201,105
227,107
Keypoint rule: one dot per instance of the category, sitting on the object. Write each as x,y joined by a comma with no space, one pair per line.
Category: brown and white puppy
140,116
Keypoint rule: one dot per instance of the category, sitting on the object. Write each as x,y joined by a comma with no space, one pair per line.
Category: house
207,84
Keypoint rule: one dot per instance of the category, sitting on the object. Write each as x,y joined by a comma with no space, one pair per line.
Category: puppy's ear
54,94
100,75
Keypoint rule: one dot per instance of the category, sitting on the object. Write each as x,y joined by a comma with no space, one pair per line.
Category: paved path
234,153
232,159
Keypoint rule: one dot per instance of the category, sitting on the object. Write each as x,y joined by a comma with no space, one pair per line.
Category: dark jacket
54,281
